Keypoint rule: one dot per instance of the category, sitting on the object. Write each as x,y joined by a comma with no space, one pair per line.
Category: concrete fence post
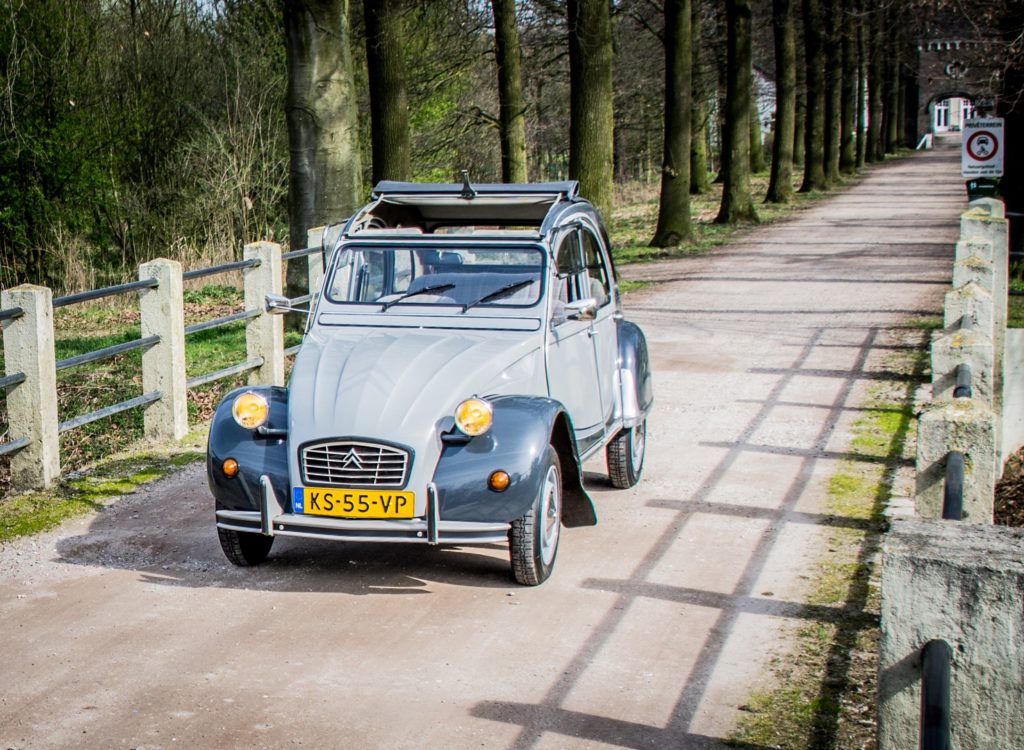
984,223
32,404
966,425
264,334
958,347
963,584
972,302
163,365
315,262
974,265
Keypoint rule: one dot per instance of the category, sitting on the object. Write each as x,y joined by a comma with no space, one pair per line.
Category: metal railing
260,285
936,657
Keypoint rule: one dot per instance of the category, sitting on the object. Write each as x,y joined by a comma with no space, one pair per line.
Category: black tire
243,548
625,456
533,539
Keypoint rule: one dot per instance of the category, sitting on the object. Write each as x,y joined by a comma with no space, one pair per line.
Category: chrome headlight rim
250,410
474,416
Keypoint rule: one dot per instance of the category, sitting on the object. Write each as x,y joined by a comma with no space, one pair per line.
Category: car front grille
354,464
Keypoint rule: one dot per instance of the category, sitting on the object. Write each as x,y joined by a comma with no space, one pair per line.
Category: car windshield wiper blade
504,291
425,290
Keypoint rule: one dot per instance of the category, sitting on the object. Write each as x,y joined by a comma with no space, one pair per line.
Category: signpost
981,159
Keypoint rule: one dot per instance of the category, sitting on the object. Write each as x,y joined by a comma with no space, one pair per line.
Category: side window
403,271
599,285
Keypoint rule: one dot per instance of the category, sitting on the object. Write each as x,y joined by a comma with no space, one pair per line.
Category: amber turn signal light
499,481
230,467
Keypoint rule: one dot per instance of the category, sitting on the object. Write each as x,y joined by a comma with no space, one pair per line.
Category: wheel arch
577,507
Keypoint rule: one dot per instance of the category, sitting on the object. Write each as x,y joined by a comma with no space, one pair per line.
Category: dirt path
129,629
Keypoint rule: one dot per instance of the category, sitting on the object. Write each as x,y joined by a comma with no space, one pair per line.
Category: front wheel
243,548
625,456
533,539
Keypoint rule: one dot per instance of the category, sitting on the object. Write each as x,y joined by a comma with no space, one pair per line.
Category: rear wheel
244,548
625,456
533,539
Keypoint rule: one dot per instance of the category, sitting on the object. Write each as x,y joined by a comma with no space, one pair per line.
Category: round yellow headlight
250,410
474,416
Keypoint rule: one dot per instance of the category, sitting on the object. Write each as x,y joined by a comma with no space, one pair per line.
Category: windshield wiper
504,291
425,290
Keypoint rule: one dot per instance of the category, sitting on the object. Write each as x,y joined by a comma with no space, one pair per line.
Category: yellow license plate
354,503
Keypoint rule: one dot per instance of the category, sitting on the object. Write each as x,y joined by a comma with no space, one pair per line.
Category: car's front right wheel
533,539
244,548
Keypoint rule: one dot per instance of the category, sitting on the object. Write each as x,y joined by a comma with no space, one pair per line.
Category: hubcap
637,445
550,516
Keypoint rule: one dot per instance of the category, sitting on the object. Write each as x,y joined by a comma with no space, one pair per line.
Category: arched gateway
954,76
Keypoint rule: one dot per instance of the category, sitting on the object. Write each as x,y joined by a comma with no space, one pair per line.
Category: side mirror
278,304
582,309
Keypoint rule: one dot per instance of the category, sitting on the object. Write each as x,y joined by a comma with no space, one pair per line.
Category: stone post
163,365
974,265
984,223
966,425
264,334
32,404
962,347
315,262
963,584
972,302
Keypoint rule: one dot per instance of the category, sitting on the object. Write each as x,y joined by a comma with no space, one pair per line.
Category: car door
571,366
603,329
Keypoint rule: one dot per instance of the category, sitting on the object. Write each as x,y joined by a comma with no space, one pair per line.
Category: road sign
982,154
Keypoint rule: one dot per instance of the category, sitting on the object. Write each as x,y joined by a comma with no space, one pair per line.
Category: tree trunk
674,206
591,142
324,182
893,110
780,185
389,102
833,89
848,135
876,75
862,85
814,130
737,204
511,107
700,180
799,135
757,164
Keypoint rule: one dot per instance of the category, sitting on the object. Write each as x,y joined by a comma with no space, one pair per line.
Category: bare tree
674,206
511,108
737,204
324,173
591,125
814,129
389,101
780,185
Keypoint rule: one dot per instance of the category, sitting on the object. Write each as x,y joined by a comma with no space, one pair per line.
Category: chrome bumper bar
271,520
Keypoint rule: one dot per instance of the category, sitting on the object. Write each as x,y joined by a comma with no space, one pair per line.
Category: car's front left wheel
244,548
533,539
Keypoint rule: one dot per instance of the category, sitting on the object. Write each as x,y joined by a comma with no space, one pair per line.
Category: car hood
396,385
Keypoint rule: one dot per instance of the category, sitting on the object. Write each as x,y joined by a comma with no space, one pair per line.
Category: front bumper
273,520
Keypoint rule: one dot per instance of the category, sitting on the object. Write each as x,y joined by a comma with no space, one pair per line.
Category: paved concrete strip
129,629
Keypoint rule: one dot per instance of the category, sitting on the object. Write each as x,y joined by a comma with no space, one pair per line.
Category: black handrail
109,291
300,253
963,381
107,352
953,491
12,313
217,322
198,273
935,663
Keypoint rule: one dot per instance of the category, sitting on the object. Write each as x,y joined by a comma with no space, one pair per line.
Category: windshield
393,276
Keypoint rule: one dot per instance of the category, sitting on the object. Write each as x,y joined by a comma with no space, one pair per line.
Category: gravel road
128,629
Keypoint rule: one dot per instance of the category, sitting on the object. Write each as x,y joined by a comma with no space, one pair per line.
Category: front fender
256,454
523,428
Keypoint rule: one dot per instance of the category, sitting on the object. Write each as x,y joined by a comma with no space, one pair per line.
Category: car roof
495,206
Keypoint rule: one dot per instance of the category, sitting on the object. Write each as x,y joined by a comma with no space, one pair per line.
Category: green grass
24,515
1015,314
826,694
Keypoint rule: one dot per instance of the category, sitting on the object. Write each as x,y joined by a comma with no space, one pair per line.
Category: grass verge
827,688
